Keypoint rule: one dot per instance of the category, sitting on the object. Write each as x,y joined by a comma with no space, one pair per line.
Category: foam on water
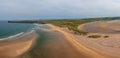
14,30
17,35
13,36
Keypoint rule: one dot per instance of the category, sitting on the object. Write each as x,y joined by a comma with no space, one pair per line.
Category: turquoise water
10,29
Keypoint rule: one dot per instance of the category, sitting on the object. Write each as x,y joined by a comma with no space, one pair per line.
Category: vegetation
70,24
38,49
94,36
106,36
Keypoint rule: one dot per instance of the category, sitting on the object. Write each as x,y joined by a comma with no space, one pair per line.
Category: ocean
11,29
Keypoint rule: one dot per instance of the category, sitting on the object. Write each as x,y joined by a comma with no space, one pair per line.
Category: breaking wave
13,36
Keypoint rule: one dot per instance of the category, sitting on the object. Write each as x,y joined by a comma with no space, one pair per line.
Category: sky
58,9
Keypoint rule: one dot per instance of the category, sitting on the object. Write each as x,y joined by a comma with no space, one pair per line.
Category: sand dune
82,49
102,26
94,48
106,46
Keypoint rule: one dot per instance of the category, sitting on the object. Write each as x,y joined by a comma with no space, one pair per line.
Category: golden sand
15,47
81,48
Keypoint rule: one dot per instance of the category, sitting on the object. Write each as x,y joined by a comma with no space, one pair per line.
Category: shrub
106,36
94,36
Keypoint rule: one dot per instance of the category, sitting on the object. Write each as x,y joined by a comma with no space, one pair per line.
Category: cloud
51,9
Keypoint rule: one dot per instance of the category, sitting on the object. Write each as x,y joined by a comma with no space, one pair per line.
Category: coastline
18,45
13,36
107,47
83,44
81,48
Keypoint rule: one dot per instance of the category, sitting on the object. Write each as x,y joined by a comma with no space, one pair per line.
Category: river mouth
47,45
112,26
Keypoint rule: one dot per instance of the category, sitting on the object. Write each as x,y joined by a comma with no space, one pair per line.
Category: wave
32,31
13,36
38,24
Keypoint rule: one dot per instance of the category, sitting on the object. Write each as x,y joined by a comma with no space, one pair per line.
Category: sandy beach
106,47
17,46
81,48
94,48
67,45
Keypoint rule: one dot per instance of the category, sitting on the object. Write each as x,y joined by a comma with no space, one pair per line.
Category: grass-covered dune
70,24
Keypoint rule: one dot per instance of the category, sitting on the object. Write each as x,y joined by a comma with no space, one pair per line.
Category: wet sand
71,47
17,46
61,43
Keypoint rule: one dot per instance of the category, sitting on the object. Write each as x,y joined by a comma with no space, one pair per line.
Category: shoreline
107,46
84,44
13,36
76,44
17,46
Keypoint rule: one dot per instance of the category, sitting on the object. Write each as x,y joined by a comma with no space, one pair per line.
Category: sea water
13,29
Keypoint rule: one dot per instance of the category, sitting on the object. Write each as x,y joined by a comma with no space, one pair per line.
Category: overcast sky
53,9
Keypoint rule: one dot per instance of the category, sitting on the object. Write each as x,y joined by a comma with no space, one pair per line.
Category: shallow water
52,45
44,38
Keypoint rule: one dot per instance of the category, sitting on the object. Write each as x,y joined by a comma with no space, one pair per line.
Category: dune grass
70,24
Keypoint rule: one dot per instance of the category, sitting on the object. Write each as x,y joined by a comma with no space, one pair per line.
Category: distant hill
105,18
37,21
